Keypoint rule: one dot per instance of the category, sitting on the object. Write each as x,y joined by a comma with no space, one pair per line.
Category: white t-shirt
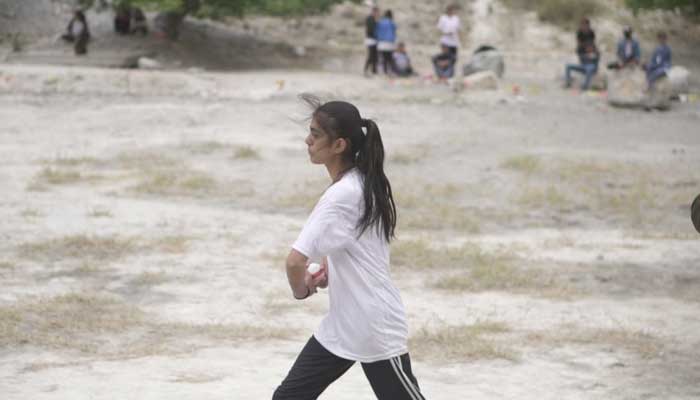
366,321
449,26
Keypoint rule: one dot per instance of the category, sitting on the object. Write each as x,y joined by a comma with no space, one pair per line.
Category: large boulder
627,88
678,78
485,58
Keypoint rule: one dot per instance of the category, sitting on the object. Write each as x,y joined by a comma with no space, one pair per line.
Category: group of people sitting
628,56
380,40
127,20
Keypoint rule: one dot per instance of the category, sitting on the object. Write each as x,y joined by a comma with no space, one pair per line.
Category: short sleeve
326,231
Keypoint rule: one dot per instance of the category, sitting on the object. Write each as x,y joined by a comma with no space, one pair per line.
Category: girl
449,25
386,41
349,232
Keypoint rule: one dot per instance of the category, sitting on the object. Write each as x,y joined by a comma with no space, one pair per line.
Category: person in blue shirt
588,66
386,41
660,61
628,52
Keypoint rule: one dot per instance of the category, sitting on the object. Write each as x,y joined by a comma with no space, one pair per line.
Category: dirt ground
544,248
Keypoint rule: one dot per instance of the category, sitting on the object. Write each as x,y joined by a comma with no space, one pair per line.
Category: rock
300,51
678,78
483,80
486,58
627,88
148,63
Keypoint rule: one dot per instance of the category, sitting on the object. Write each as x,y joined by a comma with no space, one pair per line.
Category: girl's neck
336,170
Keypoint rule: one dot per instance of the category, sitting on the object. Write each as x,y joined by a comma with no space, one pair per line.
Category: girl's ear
340,145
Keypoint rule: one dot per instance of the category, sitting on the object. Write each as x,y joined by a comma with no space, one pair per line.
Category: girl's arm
300,280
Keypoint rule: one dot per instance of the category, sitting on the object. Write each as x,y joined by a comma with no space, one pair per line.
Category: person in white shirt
449,25
348,232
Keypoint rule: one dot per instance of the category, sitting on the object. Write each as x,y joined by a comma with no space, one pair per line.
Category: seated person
402,63
138,21
122,20
628,52
588,67
444,63
660,61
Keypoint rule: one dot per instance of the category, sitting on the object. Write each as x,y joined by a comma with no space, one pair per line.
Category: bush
692,6
559,12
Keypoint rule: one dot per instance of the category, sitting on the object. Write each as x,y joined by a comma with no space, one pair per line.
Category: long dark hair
340,119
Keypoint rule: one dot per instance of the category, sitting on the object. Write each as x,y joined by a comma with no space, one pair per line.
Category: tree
173,12
691,6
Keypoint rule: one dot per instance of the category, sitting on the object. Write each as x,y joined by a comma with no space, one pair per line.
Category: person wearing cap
628,52
660,61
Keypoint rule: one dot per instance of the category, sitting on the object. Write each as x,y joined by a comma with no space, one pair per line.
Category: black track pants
315,368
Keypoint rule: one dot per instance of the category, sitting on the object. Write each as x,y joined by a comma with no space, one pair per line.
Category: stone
485,60
678,78
627,88
148,63
483,80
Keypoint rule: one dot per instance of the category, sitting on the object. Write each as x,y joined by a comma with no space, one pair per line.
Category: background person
449,25
660,61
588,67
402,62
78,33
386,41
585,36
371,41
628,52
444,63
349,231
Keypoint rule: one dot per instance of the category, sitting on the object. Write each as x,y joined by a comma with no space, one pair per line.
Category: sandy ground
544,248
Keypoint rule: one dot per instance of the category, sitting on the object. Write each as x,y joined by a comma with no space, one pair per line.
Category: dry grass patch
6,265
409,156
460,343
99,213
245,153
419,254
303,197
438,217
643,344
144,161
171,244
31,213
106,326
180,182
432,207
71,321
148,279
550,197
104,248
527,164
99,248
73,161
206,147
61,176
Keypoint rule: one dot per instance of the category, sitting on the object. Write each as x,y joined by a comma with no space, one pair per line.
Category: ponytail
380,209
340,119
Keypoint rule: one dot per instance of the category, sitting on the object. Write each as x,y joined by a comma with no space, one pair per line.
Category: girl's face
318,144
